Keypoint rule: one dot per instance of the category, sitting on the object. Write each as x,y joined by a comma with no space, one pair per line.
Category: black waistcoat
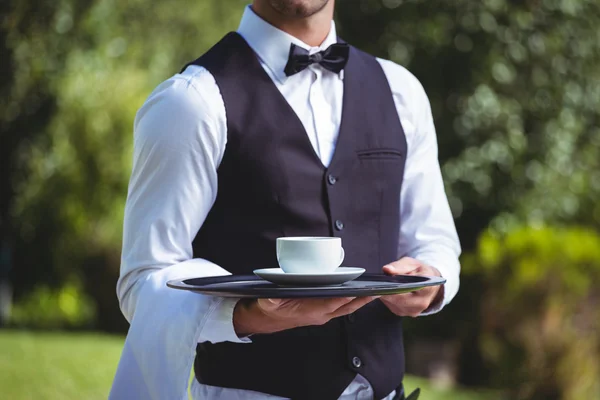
272,184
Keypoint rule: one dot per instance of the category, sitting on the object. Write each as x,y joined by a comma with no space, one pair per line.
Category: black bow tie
334,58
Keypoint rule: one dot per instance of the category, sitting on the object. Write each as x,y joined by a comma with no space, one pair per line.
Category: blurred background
515,91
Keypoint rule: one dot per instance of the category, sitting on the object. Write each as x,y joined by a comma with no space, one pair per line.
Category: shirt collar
273,45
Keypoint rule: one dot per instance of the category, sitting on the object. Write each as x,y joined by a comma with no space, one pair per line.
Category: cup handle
342,255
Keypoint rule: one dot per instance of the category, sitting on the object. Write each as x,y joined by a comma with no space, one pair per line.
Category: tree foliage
539,319
515,91
78,71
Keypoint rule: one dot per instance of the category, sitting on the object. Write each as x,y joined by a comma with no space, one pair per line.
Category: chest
316,97
272,180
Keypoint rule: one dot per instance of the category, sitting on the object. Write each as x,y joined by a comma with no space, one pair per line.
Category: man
279,130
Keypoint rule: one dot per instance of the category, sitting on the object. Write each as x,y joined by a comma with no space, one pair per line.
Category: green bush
539,311
45,308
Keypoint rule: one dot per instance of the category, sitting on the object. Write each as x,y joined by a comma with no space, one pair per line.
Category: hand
274,315
414,303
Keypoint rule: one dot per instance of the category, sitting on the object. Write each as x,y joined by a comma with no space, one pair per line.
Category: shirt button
331,179
339,225
351,318
356,362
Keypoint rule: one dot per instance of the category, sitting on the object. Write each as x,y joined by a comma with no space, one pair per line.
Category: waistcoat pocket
380,154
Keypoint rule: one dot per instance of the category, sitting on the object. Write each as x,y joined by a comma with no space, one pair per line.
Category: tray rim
307,292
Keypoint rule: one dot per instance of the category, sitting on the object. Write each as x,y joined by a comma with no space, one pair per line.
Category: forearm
166,325
215,323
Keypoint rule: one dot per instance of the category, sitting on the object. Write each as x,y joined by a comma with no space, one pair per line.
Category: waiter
281,129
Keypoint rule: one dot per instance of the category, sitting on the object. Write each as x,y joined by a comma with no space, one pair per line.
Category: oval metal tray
251,286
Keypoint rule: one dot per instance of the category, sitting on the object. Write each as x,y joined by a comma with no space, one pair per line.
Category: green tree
539,320
78,73
515,92
32,54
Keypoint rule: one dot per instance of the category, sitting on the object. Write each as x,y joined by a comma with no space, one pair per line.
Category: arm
179,140
428,237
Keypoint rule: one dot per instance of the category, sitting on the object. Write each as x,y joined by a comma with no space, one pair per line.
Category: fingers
302,312
408,304
331,305
408,300
354,305
304,306
404,266
325,306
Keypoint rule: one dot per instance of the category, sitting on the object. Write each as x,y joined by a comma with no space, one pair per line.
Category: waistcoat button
339,225
331,179
356,362
351,318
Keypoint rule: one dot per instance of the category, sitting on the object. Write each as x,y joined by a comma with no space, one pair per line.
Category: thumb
399,269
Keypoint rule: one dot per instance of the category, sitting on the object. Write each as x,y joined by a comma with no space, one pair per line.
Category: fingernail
275,301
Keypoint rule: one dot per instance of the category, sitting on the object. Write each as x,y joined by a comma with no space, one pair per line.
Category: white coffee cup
309,255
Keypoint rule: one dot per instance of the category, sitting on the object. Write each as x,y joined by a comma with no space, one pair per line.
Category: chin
298,8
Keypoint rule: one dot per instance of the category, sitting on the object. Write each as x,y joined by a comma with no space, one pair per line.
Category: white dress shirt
180,136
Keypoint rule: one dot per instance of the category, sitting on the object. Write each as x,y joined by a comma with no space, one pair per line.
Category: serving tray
251,286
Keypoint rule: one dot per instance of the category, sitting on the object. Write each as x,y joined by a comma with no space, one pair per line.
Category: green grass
430,392
57,365
64,366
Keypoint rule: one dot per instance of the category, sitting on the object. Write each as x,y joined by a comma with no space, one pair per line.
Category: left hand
414,303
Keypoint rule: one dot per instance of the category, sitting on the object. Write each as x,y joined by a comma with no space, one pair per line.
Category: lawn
65,366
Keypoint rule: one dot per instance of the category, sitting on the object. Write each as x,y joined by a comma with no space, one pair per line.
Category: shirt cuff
219,324
449,271
437,305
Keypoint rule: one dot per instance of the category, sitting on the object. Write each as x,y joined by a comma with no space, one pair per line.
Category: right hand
274,315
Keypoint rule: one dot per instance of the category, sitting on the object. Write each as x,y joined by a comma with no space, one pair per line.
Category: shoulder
180,105
411,102
403,83
193,92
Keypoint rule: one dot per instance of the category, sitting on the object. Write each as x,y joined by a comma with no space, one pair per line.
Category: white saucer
337,277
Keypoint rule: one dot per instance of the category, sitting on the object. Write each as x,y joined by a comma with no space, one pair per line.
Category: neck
312,30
